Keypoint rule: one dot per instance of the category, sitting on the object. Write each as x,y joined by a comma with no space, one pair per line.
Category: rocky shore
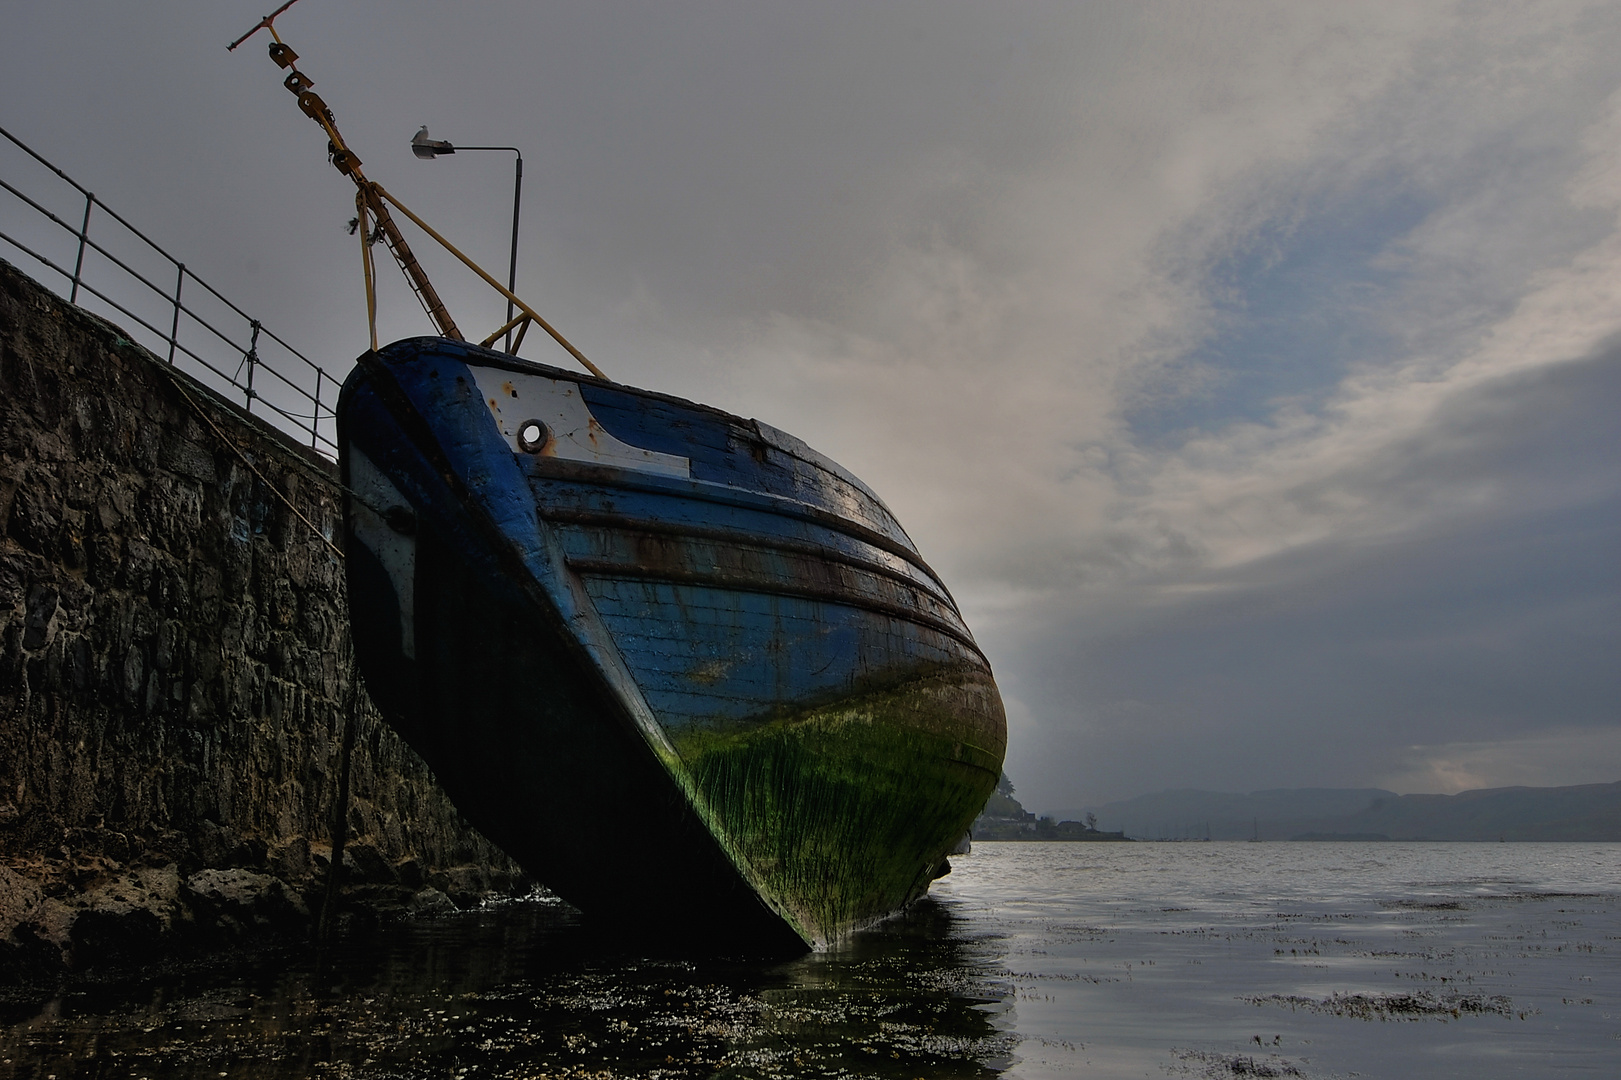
174,679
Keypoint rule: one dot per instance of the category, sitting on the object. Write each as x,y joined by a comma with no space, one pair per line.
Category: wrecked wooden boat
688,672
683,668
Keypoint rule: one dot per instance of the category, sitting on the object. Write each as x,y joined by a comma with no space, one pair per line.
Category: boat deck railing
126,274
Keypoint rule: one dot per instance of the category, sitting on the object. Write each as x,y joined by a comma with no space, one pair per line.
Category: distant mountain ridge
1587,812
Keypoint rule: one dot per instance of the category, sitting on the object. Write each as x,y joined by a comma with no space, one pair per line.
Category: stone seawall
174,671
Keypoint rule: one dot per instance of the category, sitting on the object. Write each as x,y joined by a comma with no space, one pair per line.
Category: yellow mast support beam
372,199
490,281
521,317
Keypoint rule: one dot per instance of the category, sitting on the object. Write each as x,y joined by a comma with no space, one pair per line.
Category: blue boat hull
687,671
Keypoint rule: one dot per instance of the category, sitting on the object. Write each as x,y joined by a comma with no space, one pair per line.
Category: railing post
84,235
252,358
174,327
315,415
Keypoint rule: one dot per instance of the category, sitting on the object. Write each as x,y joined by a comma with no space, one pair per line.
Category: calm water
1031,960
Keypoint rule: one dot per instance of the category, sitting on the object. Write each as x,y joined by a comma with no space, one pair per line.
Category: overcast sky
1250,371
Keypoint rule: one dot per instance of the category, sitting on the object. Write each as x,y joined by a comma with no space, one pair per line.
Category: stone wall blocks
285,604
121,495
144,621
71,539
104,560
54,665
299,565
79,664
11,478
393,834
206,589
194,667
77,601
39,625
237,565
170,593
248,624
200,699
274,655
36,513
360,816
49,446
78,490
148,445
180,454
133,675
314,630
230,632
163,645
139,561
89,423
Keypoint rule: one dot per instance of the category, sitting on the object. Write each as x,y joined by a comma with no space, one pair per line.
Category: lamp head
427,149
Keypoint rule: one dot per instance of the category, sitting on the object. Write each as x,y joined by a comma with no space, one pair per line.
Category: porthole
533,436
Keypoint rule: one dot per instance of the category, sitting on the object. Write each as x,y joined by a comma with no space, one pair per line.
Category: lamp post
427,149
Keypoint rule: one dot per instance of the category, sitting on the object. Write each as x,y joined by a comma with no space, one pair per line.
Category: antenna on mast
373,202
262,24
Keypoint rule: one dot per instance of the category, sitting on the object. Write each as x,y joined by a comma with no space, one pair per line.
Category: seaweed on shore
1418,1005
1220,1066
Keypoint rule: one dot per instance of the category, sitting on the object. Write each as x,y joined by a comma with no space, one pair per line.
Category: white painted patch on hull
515,398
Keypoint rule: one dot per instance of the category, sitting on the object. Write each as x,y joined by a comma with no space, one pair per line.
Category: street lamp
427,149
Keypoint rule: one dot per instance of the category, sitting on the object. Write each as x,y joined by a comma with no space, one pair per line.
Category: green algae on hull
846,811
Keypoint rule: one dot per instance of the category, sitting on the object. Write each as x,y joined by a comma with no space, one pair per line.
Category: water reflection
1424,961
528,990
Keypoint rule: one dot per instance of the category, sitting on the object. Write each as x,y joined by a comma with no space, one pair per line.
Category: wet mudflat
1031,960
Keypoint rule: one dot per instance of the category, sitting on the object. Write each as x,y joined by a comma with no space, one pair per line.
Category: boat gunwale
522,366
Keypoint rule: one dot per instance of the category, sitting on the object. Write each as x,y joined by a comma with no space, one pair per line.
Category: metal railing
290,385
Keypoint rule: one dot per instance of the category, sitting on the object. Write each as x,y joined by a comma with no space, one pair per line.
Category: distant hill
1584,812
1187,814
1005,819
1590,812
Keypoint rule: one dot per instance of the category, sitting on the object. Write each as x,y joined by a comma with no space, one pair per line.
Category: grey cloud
1329,664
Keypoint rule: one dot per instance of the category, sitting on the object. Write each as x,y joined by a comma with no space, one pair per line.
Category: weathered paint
750,616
